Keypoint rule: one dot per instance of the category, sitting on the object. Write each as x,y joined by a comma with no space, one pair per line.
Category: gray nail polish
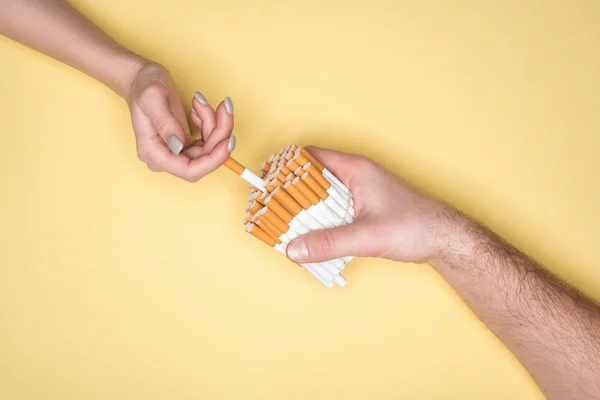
231,144
228,105
200,97
193,110
174,144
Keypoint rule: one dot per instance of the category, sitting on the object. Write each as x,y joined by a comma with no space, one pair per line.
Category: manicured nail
228,105
174,144
193,110
231,144
297,251
200,97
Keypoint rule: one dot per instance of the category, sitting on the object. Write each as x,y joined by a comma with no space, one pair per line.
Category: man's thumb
327,244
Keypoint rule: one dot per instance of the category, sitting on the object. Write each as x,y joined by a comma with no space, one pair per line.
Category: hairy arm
552,328
55,28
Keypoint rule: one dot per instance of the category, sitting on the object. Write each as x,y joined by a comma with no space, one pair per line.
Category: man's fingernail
297,251
174,144
231,144
200,97
228,105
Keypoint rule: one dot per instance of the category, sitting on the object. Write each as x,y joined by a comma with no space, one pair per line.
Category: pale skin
550,327
163,138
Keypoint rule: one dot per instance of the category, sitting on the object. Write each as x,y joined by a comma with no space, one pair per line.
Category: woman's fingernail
297,251
231,144
228,105
174,144
200,97
193,110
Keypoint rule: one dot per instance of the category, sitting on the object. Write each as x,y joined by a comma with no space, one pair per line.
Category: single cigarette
289,177
289,155
254,207
285,170
260,234
274,219
306,191
265,167
287,201
292,164
267,230
281,176
245,173
317,175
295,193
314,185
278,209
275,183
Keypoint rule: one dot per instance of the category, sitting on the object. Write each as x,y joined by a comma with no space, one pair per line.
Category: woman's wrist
126,69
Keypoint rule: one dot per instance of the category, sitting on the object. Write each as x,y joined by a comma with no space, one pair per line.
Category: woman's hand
393,220
162,132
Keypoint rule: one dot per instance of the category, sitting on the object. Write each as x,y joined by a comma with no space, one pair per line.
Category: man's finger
328,244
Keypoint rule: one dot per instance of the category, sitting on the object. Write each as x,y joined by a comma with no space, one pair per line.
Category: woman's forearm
55,28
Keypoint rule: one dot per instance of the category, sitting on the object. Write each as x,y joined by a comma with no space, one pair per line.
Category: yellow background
119,283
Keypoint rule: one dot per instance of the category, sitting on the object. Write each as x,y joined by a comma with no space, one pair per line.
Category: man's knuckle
326,243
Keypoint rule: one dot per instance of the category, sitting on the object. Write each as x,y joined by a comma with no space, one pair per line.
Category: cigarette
257,232
304,156
295,197
328,197
245,173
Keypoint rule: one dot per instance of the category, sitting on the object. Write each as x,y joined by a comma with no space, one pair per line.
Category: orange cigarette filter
285,170
289,177
234,166
280,224
317,175
260,234
265,167
266,229
292,164
310,157
306,191
278,209
275,183
254,206
295,193
287,201
265,221
314,185
281,176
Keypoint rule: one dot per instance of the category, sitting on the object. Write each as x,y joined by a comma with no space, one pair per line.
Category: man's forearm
550,327
55,28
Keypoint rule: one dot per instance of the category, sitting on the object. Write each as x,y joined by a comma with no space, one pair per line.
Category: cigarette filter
295,194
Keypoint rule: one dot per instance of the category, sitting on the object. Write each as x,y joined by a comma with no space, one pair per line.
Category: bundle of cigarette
296,194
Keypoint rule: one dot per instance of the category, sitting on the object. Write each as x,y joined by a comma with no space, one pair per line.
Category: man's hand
163,136
551,328
393,220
